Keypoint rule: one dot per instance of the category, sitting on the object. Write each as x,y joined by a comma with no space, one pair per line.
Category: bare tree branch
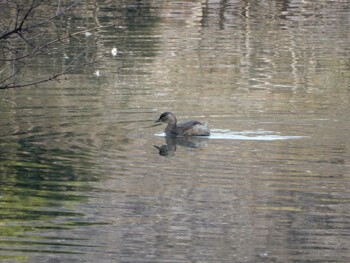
24,38
59,39
19,28
49,78
67,69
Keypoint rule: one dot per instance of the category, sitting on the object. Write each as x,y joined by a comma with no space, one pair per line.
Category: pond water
86,177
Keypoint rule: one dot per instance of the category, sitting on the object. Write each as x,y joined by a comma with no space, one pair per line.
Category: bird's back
192,128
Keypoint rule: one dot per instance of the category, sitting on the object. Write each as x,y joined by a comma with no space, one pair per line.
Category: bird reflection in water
170,146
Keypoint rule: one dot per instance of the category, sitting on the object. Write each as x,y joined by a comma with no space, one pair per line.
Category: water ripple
249,135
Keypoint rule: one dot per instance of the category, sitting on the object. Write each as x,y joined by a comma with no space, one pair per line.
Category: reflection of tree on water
169,148
41,185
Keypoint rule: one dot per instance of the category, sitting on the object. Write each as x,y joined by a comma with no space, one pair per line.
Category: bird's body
188,128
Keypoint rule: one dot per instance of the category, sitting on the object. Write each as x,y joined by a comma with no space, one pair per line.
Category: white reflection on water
251,135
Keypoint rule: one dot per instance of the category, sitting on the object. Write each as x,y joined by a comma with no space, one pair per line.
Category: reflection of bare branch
57,14
58,7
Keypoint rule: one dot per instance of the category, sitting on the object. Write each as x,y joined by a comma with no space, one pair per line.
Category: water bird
188,128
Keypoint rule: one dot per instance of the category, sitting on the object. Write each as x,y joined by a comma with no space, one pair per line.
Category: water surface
84,178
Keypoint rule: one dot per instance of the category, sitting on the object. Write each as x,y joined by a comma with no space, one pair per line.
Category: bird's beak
157,121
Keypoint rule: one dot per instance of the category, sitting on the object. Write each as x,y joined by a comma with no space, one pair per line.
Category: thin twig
9,77
59,39
69,68
19,28
65,10
22,29
52,77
